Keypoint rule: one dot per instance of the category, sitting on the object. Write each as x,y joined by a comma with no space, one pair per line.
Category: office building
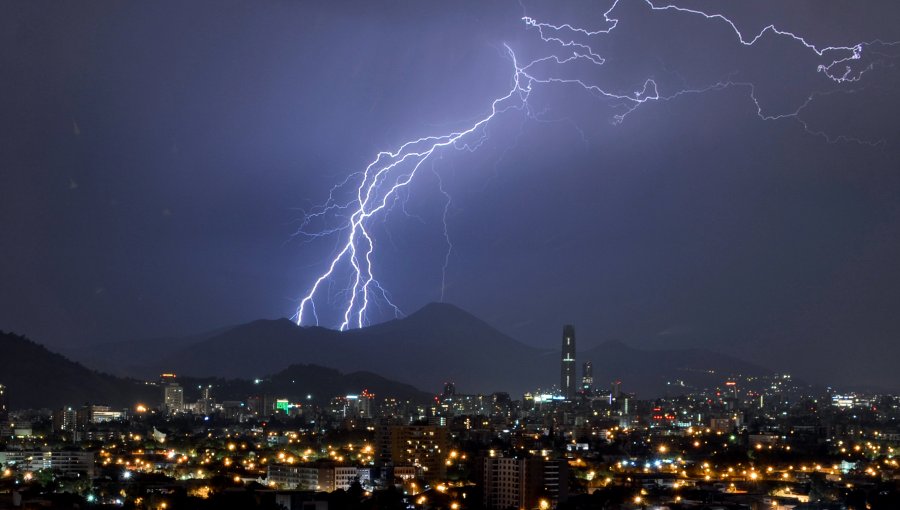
524,483
344,476
587,378
173,398
64,462
504,482
4,410
615,390
567,369
422,446
64,420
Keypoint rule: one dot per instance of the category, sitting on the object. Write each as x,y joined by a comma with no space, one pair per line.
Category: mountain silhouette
438,343
38,378
305,383
663,371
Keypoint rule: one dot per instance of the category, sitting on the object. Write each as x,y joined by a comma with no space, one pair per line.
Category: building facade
524,483
422,446
65,462
173,398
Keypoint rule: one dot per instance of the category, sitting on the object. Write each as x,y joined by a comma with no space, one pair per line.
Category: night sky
156,158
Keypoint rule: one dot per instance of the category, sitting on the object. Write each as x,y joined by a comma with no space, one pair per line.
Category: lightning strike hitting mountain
368,195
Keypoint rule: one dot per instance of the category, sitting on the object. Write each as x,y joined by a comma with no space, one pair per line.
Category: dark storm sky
155,158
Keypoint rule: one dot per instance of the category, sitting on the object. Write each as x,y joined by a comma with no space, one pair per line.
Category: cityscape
466,255
748,442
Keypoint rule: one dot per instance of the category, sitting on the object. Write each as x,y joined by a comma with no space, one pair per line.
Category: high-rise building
366,404
173,394
524,483
449,389
173,398
422,446
567,376
64,419
4,411
587,378
206,404
504,482
615,390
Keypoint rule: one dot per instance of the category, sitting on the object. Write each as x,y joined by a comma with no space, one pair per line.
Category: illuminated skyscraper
587,377
173,398
567,376
4,412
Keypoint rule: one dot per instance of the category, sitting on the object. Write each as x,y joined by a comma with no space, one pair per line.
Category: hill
305,382
663,371
433,345
436,344
38,378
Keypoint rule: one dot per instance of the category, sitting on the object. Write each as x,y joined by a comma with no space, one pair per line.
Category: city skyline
745,440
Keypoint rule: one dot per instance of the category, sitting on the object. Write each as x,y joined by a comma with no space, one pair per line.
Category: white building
61,462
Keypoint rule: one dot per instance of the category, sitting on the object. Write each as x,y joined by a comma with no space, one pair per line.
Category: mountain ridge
37,377
25,366
436,344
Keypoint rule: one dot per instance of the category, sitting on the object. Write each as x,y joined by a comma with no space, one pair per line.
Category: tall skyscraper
4,412
567,376
587,378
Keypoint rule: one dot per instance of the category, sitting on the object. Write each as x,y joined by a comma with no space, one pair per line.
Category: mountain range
38,378
437,344
35,378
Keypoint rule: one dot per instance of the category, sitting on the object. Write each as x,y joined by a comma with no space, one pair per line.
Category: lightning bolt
377,188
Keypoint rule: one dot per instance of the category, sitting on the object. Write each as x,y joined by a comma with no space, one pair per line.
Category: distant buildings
461,451
567,376
450,404
79,422
353,406
93,414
